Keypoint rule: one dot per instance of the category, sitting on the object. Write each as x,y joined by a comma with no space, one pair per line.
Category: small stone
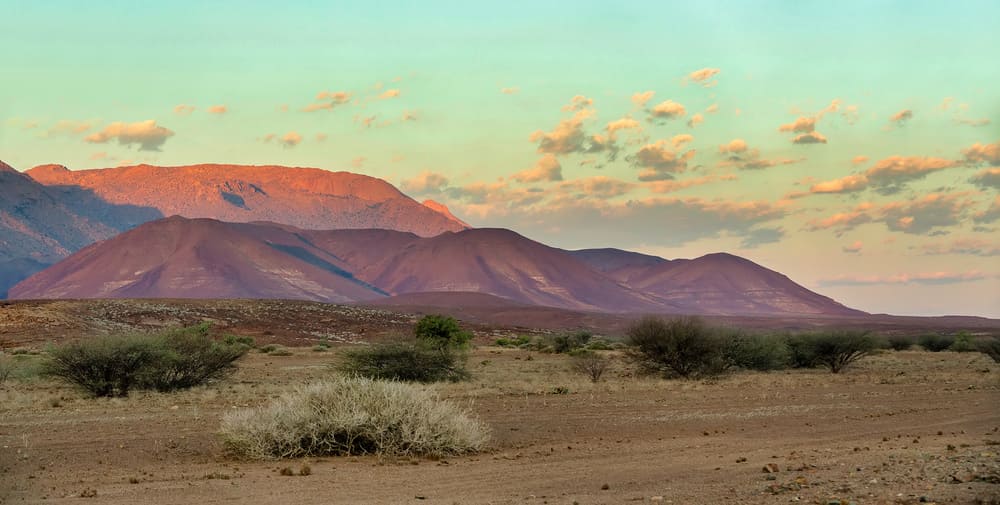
771,468
605,487
655,498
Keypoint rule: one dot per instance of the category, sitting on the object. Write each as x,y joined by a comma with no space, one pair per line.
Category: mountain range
276,232
178,257
49,211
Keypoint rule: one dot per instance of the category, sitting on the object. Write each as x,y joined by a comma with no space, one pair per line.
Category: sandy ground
899,427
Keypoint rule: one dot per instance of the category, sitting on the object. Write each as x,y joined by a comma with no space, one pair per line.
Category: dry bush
591,364
683,347
353,415
405,361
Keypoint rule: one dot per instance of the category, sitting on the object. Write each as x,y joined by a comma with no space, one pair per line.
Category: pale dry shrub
353,415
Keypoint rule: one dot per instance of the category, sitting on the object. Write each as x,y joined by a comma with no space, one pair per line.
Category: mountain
199,258
308,198
730,285
39,228
202,258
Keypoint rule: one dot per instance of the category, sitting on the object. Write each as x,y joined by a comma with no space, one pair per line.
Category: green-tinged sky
854,146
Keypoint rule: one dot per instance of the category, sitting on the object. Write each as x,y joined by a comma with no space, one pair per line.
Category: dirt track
897,427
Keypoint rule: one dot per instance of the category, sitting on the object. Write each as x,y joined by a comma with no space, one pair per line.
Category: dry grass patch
353,415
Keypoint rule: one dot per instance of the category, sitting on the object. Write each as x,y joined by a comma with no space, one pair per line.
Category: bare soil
897,428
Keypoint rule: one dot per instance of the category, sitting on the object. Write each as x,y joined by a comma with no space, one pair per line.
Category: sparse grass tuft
591,364
353,415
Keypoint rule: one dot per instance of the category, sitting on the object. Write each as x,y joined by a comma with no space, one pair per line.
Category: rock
771,468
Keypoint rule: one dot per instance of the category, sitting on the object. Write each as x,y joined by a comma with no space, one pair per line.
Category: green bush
990,346
833,349
963,343
351,415
900,342
5,371
441,332
405,361
682,347
114,365
518,342
801,353
569,342
239,340
756,352
934,342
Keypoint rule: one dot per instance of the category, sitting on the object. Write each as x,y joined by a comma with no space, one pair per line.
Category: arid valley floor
897,427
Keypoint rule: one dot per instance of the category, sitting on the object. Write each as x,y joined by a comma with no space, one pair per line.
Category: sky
853,146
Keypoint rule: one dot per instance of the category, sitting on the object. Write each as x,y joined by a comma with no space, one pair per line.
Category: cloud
738,154
696,120
931,278
625,123
704,76
925,214
425,183
848,184
597,187
890,175
146,134
964,246
100,156
857,160
510,91
640,99
712,109
975,123
290,139
667,110
68,127
408,115
989,215
734,146
670,186
389,93
681,140
901,118
183,110
809,138
567,137
659,161
327,100
853,248
577,103
983,153
547,168
358,162
218,109
321,137
760,236
987,179
843,221
802,124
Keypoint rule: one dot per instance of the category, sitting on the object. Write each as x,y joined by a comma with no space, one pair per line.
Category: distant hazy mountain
184,258
308,198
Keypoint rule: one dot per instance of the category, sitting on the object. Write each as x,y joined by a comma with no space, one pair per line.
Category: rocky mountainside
309,198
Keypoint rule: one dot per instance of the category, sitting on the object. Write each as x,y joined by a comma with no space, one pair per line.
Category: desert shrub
441,332
602,344
682,347
990,346
518,341
963,343
756,352
934,342
590,363
114,365
568,342
352,415
405,361
269,348
900,342
239,340
838,349
188,357
5,371
801,352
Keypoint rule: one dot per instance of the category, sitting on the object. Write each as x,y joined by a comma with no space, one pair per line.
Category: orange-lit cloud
734,146
69,127
889,175
704,76
183,110
291,139
809,138
857,160
567,137
668,109
578,102
800,125
670,186
964,246
696,120
901,118
926,213
738,154
848,184
681,139
424,183
389,93
990,215
854,248
659,161
987,179
983,153
217,109
917,278
327,100
547,168
640,99
146,134
510,91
